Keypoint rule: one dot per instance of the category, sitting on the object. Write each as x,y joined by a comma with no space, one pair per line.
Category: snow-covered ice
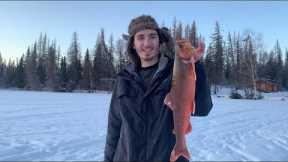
72,126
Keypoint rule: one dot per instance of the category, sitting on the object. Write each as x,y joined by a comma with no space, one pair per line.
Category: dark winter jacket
139,124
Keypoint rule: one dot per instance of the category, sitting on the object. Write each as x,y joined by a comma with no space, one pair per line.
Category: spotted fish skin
181,98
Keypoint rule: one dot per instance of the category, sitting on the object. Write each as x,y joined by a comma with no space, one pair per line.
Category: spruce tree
217,45
285,71
193,35
10,74
20,74
210,66
230,62
52,68
101,65
63,75
279,63
87,72
74,64
31,71
110,59
249,66
2,68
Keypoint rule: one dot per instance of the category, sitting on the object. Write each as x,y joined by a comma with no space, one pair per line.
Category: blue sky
22,22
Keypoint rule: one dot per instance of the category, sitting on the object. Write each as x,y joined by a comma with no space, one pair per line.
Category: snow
72,126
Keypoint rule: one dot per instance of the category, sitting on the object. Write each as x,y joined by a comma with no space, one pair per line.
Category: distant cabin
266,85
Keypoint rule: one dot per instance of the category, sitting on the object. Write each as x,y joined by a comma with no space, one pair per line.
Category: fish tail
168,101
175,154
189,128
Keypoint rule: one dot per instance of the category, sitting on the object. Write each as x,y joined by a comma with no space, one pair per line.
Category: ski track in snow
72,126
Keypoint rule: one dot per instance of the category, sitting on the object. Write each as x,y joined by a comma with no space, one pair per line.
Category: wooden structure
266,85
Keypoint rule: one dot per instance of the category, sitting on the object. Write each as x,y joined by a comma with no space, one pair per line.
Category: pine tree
193,35
217,45
10,74
285,71
42,46
87,72
63,75
210,66
42,59
52,68
33,81
41,70
279,63
271,70
187,32
45,49
274,64
238,69
96,65
101,65
249,66
261,65
2,68
110,59
20,74
179,31
74,67
229,61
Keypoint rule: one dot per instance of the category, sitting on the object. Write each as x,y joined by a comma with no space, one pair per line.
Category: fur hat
141,23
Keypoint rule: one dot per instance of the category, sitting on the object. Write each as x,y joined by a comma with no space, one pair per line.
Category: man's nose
147,42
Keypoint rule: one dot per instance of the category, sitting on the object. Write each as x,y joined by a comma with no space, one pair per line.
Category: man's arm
114,125
202,94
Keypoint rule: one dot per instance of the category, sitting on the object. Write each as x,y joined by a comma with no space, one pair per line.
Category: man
139,123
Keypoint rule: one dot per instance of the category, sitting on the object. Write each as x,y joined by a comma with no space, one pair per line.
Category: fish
181,97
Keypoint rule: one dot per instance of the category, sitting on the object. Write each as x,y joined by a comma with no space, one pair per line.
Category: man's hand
187,53
199,51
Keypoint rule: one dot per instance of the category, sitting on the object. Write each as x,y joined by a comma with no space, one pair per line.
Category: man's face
146,43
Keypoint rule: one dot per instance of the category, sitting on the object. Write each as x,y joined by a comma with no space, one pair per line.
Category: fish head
187,53
185,50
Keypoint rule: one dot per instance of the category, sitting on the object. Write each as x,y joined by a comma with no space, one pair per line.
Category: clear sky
22,22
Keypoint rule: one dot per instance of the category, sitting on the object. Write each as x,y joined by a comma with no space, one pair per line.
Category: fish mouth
186,53
185,48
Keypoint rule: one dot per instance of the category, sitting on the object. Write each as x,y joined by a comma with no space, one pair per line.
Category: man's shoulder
125,72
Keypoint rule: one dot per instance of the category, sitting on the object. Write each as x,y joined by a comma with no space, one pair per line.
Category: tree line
241,59
237,60
43,67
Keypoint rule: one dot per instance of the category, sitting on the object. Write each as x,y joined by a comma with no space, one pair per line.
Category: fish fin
168,101
192,60
189,128
175,154
193,107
